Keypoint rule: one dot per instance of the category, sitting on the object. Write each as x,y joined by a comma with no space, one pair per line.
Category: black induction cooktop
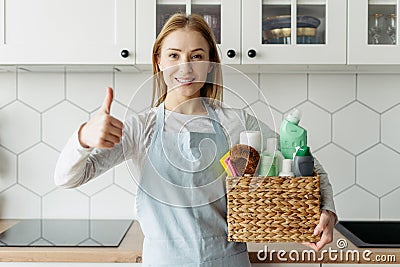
65,233
369,234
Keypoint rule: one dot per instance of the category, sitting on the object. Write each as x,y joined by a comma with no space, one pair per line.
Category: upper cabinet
67,32
122,32
223,16
294,31
372,32
256,31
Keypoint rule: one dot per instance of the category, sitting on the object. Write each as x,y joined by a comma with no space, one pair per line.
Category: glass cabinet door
211,14
223,16
164,12
151,16
373,32
294,31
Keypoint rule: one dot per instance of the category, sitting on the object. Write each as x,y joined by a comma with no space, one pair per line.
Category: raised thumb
106,107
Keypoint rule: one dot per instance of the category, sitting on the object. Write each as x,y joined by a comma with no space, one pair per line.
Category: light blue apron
181,202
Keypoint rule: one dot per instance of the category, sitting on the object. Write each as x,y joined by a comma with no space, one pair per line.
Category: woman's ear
158,62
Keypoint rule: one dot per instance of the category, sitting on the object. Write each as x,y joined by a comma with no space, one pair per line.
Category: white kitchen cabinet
263,43
372,32
67,32
222,15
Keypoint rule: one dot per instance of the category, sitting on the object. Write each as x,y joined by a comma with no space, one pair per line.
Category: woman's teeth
184,80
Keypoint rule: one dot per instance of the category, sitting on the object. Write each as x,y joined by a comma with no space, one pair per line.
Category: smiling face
184,62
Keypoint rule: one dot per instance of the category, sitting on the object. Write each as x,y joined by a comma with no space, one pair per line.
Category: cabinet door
373,32
269,36
67,32
222,15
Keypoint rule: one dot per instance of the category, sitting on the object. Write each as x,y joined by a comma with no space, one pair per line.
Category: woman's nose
185,65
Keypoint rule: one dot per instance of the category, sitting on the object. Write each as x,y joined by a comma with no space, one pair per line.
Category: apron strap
214,119
160,118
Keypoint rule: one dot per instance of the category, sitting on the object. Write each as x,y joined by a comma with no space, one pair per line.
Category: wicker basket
273,209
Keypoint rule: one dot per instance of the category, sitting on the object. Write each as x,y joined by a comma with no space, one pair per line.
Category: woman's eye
173,55
197,57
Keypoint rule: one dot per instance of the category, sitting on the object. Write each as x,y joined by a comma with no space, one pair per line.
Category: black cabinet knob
231,53
124,53
251,53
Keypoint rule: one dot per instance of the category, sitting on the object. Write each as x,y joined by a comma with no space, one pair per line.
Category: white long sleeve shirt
77,165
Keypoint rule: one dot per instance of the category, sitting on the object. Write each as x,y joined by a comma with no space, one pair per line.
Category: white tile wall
340,166
357,203
106,204
16,120
65,203
41,90
390,128
134,90
379,91
8,168
375,170
318,124
36,167
332,91
284,91
19,202
60,122
390,206
266,114
352,120
87,90
8,90
359,122
239,90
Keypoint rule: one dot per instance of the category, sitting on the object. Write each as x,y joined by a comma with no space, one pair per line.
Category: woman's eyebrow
179,50
198,49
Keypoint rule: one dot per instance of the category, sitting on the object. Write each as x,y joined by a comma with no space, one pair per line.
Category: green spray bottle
291,134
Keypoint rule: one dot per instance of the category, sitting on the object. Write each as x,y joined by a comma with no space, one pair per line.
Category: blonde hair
212,88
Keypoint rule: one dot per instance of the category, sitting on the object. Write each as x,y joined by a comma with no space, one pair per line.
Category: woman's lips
185,81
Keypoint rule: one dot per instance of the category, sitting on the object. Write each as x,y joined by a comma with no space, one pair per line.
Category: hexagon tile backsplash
352,120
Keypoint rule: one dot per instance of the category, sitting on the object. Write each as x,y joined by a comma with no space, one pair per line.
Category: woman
175,147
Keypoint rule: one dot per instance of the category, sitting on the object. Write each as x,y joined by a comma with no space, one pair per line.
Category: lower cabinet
67,264
359,265
284,264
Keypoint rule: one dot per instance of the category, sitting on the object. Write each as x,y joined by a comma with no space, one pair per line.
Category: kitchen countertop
130,250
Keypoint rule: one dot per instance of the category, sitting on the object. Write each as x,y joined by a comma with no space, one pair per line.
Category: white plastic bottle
287,168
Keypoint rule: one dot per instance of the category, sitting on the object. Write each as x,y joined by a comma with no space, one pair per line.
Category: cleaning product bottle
272,149
291,134
303,162
267,165
287,168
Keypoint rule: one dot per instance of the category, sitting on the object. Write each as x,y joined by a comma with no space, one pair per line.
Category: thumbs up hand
102,130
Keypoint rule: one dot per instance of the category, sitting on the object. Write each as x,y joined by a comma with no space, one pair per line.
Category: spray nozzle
294,116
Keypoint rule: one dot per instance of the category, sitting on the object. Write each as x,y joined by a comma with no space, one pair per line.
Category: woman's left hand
325,229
